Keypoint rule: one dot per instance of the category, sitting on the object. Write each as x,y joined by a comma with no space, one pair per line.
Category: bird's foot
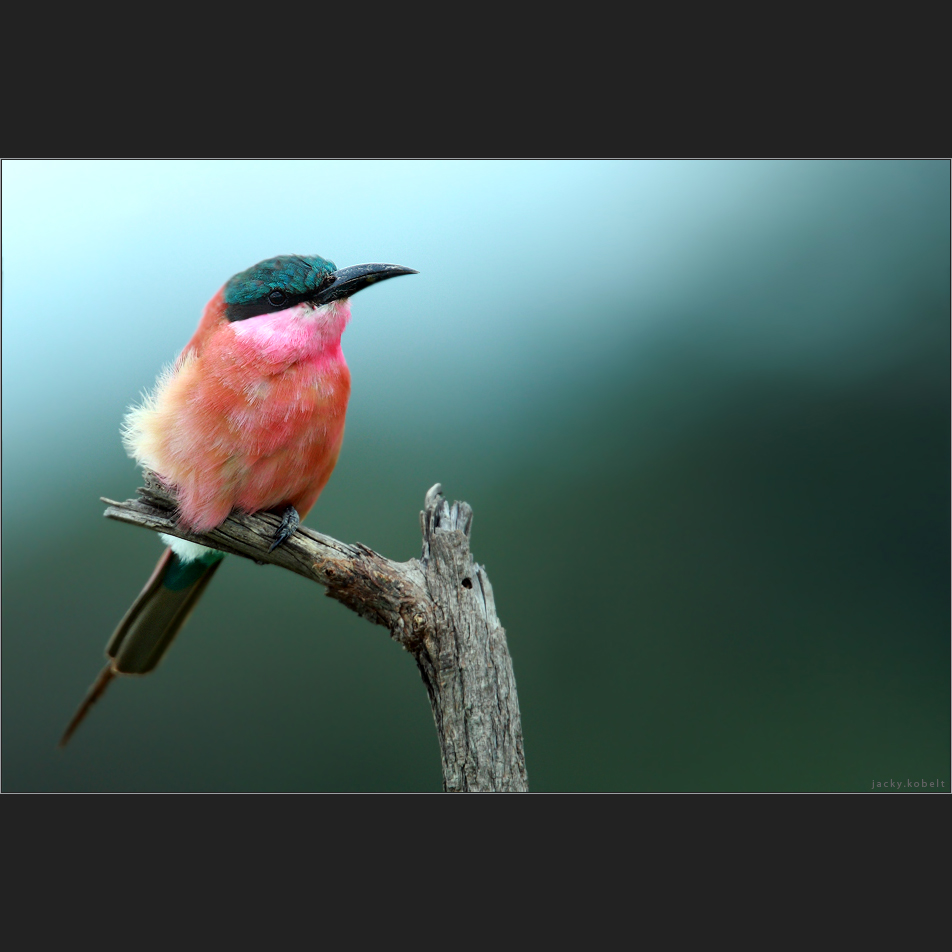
290,520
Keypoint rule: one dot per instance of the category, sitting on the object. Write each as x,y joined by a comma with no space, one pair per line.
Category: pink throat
299,334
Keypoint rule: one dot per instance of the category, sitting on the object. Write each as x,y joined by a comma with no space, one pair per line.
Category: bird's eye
277,298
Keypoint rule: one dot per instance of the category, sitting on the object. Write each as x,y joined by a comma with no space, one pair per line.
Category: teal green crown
292,274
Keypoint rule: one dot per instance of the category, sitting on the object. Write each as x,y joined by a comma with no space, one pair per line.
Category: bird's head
286,281
288,306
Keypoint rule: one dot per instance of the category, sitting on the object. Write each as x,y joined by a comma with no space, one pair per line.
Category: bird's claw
290,520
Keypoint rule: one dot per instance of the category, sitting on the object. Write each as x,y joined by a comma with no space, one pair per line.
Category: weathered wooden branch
439,607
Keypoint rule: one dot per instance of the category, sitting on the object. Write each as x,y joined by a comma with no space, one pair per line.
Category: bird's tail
149,627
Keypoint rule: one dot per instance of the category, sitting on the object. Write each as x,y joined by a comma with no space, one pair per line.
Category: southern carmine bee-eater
250,417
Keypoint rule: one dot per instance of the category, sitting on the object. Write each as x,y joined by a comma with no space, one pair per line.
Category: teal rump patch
180,575
292,274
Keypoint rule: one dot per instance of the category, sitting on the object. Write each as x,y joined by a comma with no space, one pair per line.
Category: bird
250,417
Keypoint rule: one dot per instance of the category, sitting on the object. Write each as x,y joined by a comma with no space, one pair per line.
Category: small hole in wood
467,583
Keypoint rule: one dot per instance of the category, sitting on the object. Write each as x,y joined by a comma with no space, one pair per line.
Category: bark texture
439,607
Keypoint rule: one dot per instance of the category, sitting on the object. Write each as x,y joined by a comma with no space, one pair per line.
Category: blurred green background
701,411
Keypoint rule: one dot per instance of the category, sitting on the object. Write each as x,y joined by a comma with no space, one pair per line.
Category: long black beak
348,281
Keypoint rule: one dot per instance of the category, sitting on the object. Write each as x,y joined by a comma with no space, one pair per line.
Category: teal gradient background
701,411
